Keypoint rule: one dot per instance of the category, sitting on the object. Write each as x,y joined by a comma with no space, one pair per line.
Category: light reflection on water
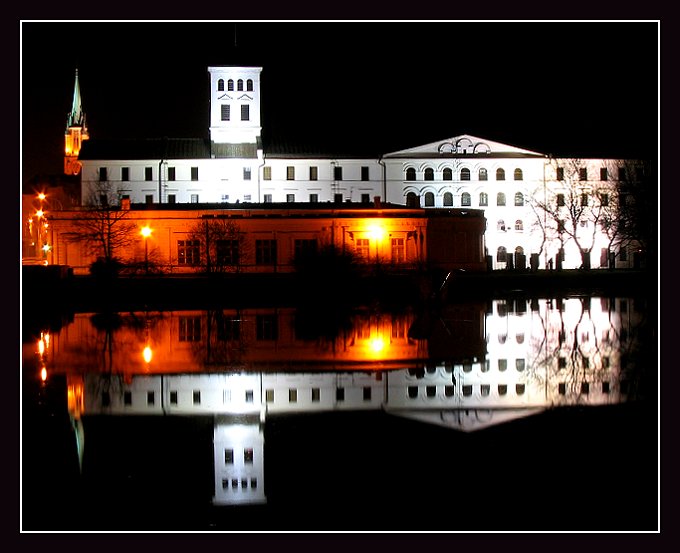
464,367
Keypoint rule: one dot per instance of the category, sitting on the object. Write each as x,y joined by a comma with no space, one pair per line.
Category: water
510,414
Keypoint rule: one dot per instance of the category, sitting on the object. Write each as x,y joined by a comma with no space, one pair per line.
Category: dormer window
220,85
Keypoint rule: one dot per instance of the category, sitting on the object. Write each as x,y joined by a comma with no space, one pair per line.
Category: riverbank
60,290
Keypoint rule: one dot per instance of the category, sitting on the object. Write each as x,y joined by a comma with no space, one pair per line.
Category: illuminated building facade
76,133
528,197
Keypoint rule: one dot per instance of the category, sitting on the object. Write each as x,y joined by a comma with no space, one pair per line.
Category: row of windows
604,173
465,174
239,85
148,173
228,251
412,199
235,482
313,173
413,392
248,456
315,394
225,112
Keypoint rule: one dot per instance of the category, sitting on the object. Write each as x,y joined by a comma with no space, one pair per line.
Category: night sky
581,89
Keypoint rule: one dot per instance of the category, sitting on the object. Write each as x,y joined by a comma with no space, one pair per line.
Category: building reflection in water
465,367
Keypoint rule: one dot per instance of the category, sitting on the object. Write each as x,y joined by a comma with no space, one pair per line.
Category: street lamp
146,232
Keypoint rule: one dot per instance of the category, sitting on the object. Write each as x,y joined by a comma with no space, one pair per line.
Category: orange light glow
377,345
376,231
43,374
39,213
147,354
41,196
146,231
41,346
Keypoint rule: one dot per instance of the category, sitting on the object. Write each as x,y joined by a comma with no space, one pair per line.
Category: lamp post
146,232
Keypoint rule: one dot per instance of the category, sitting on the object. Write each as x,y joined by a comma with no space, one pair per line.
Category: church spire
76,132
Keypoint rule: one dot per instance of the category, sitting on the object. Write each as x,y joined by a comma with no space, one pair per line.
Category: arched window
519,337
500,174
429,199
519,250
519,199
465,174
519,226
500,198
220,84
501,254
429,174
465,199
483,175
230,84
412,200
447,174
448,199
410,174
518,174
500,225
483,199
239,84
249,84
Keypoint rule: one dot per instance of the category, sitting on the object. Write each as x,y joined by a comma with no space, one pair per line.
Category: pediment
464,144
245,97
225,97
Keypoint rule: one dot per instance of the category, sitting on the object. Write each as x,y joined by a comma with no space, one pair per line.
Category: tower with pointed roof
76,132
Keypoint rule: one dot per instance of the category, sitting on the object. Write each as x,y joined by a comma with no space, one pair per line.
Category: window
340,394
429,174
465,174
313,173
194,198
194,173
197,397
603,173
265,252
172,199
465,199
519,226
267,327
560,199
520,364
290,198
501,225
483,174
584,199
148,198
125,173
583,174
316,394
604,200
429,199
559,173
519,199
127,398
448,199
267,198
190,329
248,455
367,393
230,84
500,174
150,398
305,247
518,174
245,112
412,200
560,226
483,199
267,173
410,174
364,173
226,112
239,85
500,199
519,389
227,252
337,198
249,85
269,395
220,85
363,247
246,173
365,198
398,253
290,173
501,254
313,198
148,173
292,395
188,252
173,397
337,173
103,174
447,174
171,174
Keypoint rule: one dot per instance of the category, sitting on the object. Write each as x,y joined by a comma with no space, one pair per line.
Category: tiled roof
158,148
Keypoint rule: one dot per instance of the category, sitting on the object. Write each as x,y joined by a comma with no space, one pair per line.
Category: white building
536,205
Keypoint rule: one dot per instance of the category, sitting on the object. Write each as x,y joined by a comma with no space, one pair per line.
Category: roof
163,148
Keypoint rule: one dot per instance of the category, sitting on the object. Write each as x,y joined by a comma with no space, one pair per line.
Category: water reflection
464,366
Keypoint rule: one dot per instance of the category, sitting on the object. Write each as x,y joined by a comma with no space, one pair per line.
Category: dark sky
582,88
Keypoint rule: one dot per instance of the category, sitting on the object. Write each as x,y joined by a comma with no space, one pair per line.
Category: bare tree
221,243
103,227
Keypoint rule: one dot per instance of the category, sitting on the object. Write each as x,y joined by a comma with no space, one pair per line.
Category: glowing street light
146,232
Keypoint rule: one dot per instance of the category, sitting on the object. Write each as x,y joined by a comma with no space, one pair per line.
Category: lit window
363,247
290,173
313,173
500,174
518,174
267,173
398,252
248,455
188,252
483,199
483,174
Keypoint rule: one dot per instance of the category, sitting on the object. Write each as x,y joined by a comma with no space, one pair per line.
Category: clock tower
76,132
235,105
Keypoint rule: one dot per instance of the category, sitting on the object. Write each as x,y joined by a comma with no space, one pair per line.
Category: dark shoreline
60,291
